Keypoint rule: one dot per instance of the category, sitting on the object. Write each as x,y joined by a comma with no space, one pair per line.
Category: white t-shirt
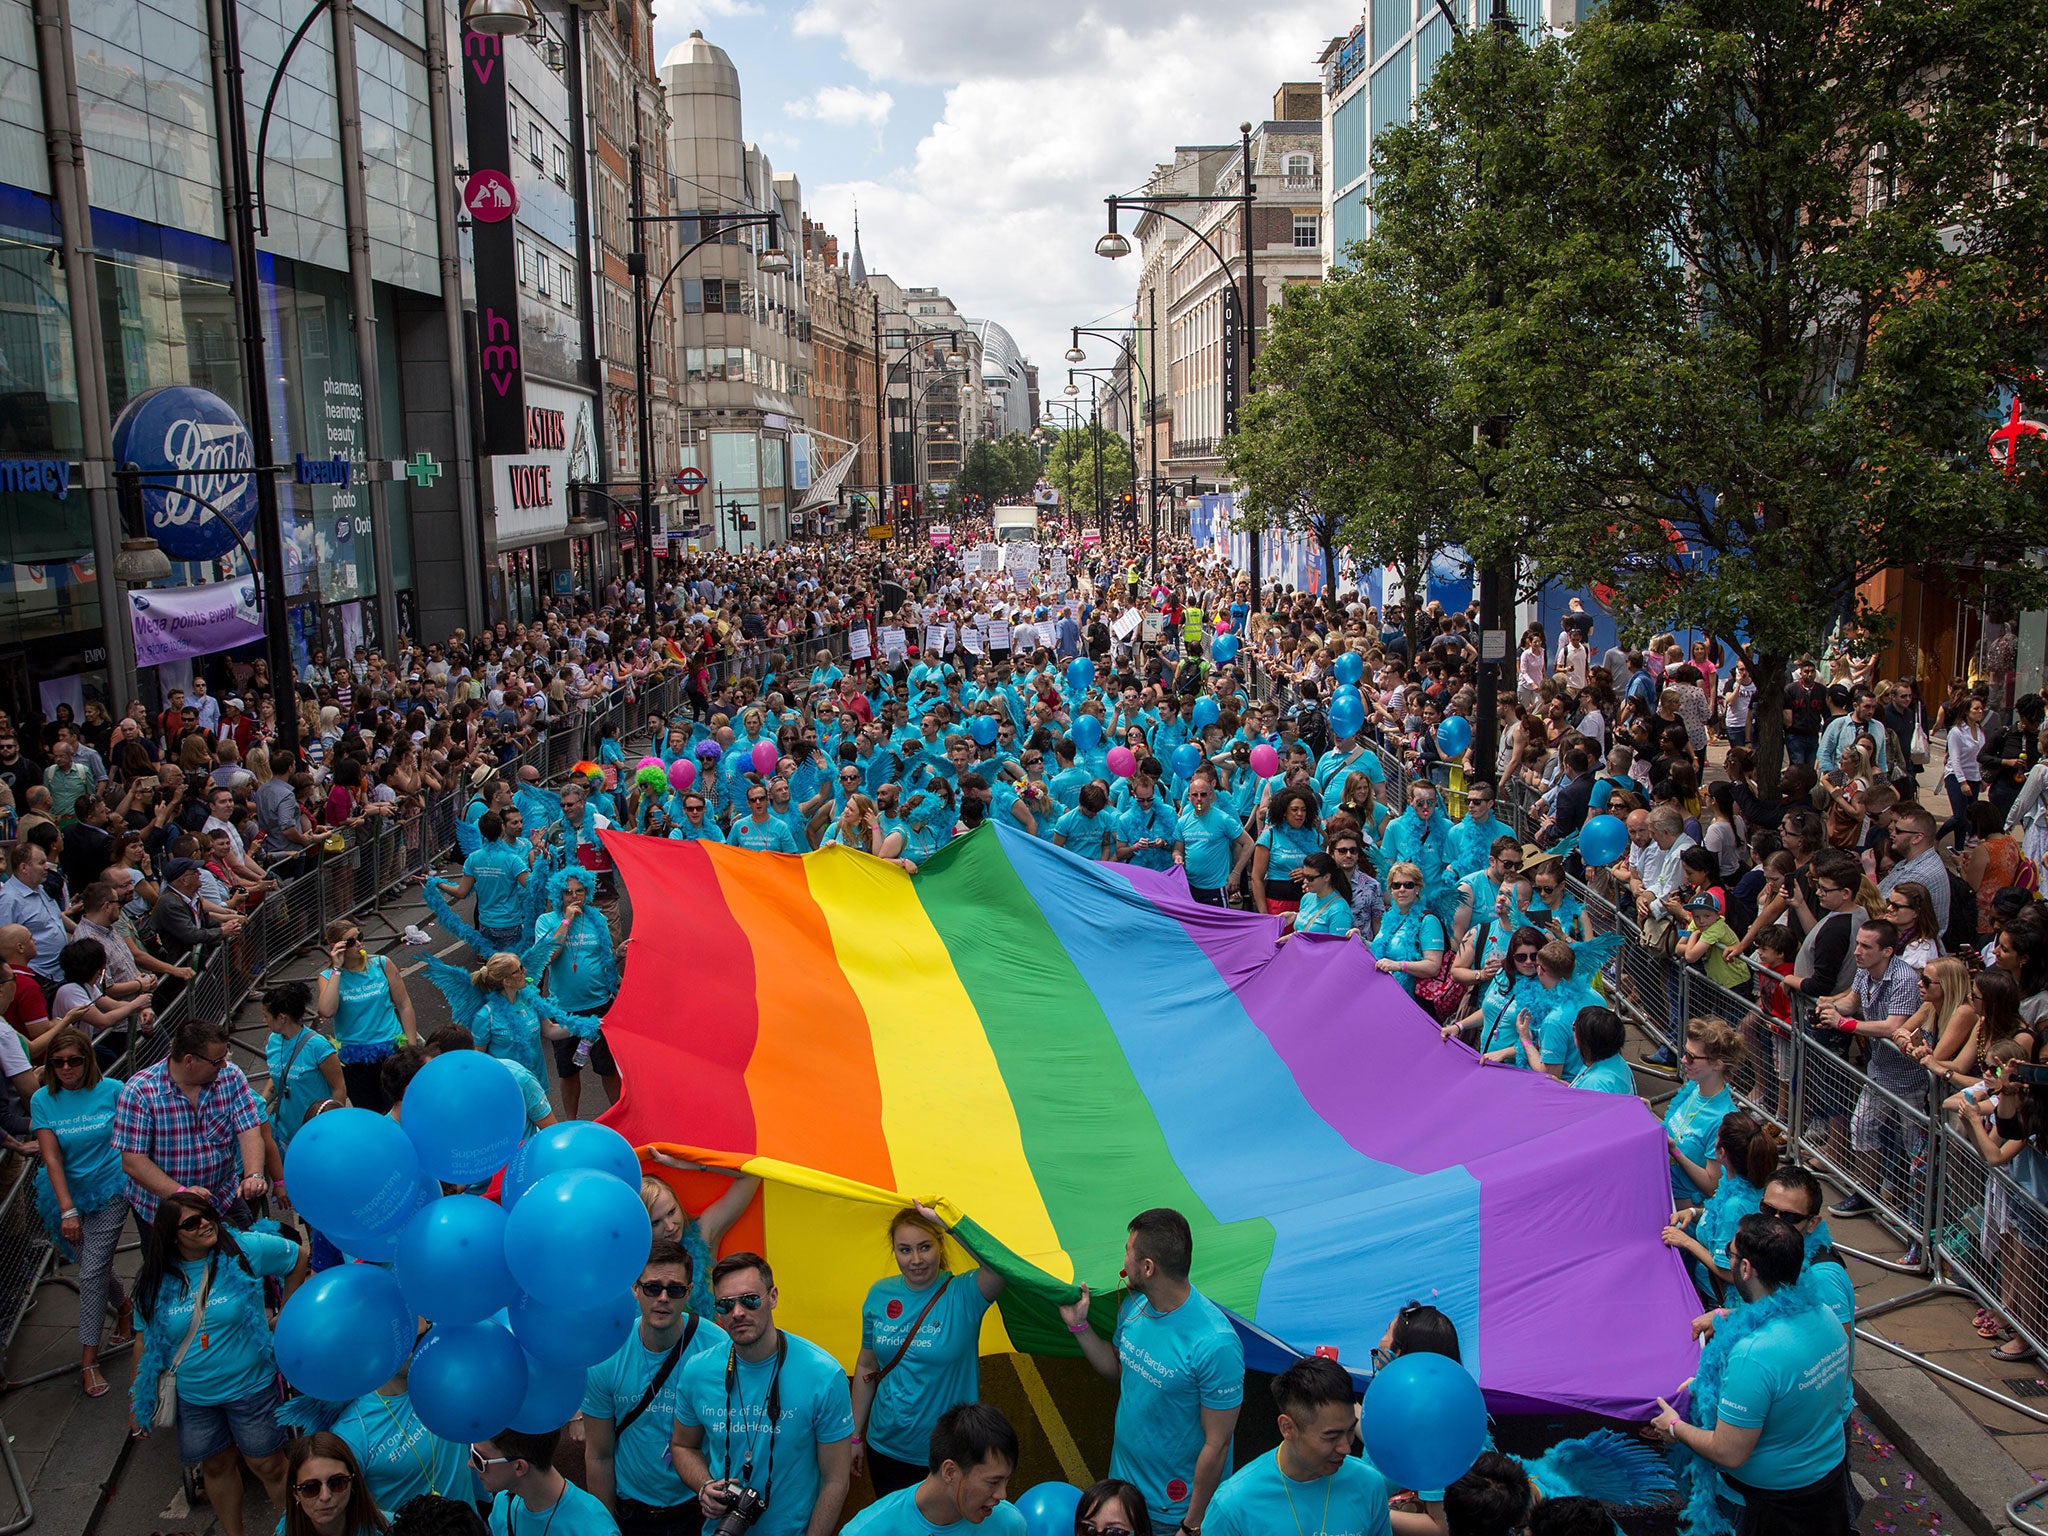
13,1053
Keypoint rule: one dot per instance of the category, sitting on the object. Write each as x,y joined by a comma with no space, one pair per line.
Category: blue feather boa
87,1196
1702,1515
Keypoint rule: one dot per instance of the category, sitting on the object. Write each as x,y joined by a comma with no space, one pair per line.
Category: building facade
1005,386
842,416
743,333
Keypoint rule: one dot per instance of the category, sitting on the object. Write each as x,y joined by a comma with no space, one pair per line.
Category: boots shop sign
501,379
532,488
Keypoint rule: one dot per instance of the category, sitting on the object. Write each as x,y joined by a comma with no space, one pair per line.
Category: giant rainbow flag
1050,1045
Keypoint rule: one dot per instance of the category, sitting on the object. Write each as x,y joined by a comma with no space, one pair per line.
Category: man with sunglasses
1179,1369
528,1495
771,1413
1209,843
973,1455
696,825
1479,889
1277,1495
1777,1434
1476,837
629,1403
761,829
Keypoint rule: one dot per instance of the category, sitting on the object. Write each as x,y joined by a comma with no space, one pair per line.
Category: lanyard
773,1407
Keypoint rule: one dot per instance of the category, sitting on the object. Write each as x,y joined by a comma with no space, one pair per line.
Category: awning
824,491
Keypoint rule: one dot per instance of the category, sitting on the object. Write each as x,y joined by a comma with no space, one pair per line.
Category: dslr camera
744,1506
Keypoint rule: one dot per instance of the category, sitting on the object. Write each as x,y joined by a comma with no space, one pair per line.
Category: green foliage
1004,469
1072,469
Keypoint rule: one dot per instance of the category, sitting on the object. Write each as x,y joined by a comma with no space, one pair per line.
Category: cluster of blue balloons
525,1294
1603,841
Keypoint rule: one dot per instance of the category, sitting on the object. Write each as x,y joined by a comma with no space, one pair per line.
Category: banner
500,265
175,623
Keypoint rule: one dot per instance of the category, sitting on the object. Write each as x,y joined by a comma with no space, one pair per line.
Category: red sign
490,196
532,485
546,428
2005,442
690,481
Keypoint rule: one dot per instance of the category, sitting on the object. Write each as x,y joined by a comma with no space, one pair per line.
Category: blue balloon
465,1115
1224,649
1080,674
382,1247
1453,736
569,1144
982,728
451,1256
345,1332
1087,732
1424,1421
554,1396
353,1174
1205,712
577,1237
1349,668
1187,757
467,1380
1602,841
561,1336
1347,715
1048,1509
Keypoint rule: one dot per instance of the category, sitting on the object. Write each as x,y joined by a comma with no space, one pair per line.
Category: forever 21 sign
486,110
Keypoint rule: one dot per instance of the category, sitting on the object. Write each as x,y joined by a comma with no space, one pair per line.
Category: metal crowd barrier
378,860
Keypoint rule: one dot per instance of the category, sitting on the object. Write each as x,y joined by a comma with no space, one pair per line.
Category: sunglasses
725,1306
479,1462
195,1222
61,1062
1402,885
334,1482
675,1290
1348,848
1527,956
1790,1218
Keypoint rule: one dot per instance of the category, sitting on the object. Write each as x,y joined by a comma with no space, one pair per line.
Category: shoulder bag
166,1415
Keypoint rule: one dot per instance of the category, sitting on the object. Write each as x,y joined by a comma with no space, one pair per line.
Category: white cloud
1003,201
848,106
694,13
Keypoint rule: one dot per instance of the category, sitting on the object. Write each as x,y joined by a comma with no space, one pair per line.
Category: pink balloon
682,773
1121,762
647,762
765,757
1265,761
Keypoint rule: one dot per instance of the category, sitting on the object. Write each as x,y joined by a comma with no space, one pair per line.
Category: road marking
1048,1411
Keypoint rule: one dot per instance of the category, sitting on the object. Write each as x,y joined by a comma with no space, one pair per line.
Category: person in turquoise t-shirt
635,1464
920,1350
81,1192
1600,1035
770,1412
497,873
227,1391
304,1067
1692,1120
760,829
399,1456
1771,1394
329,1494
1089,829
1311,1481
528,1496
973,1454
1179,1369
1547,1041
1325,898
1209,843
1146,830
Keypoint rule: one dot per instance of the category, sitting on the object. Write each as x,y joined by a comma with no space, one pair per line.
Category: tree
1349,435
1000,469
1739,289
1072,468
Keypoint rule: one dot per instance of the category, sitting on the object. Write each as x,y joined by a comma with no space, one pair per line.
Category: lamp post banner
177,623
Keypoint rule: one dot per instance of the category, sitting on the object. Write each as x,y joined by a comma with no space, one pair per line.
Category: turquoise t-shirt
897,1514
1285,848
1139,822
531,1093
82,1120
576,976
1410,935
641,1468
304,1085
1610,1075
683,830
1092,837
1174,1365
1323,914
1693,1125
400,1457
942,1366
497,869
779,1459
576,1513
231,1358
1262,1500
770,835
365,1015
1208,844
1790,1379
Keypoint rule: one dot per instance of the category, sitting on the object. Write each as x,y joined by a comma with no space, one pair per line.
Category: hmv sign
502,379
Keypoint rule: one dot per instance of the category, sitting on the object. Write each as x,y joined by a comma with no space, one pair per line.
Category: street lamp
1075,354
1072,388
1126,338
498,18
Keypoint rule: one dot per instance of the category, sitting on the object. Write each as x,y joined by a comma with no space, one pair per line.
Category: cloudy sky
980,139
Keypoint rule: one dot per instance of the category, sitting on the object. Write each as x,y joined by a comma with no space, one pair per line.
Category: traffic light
905,500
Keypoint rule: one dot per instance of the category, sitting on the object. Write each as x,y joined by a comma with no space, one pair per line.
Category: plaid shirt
194,1145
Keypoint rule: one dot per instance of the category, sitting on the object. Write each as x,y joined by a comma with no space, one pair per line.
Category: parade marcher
528,1496
1312,1474
1179,1367
80,1189
920,1350
363,999
972,1458
303,1066
191,1123
572,955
